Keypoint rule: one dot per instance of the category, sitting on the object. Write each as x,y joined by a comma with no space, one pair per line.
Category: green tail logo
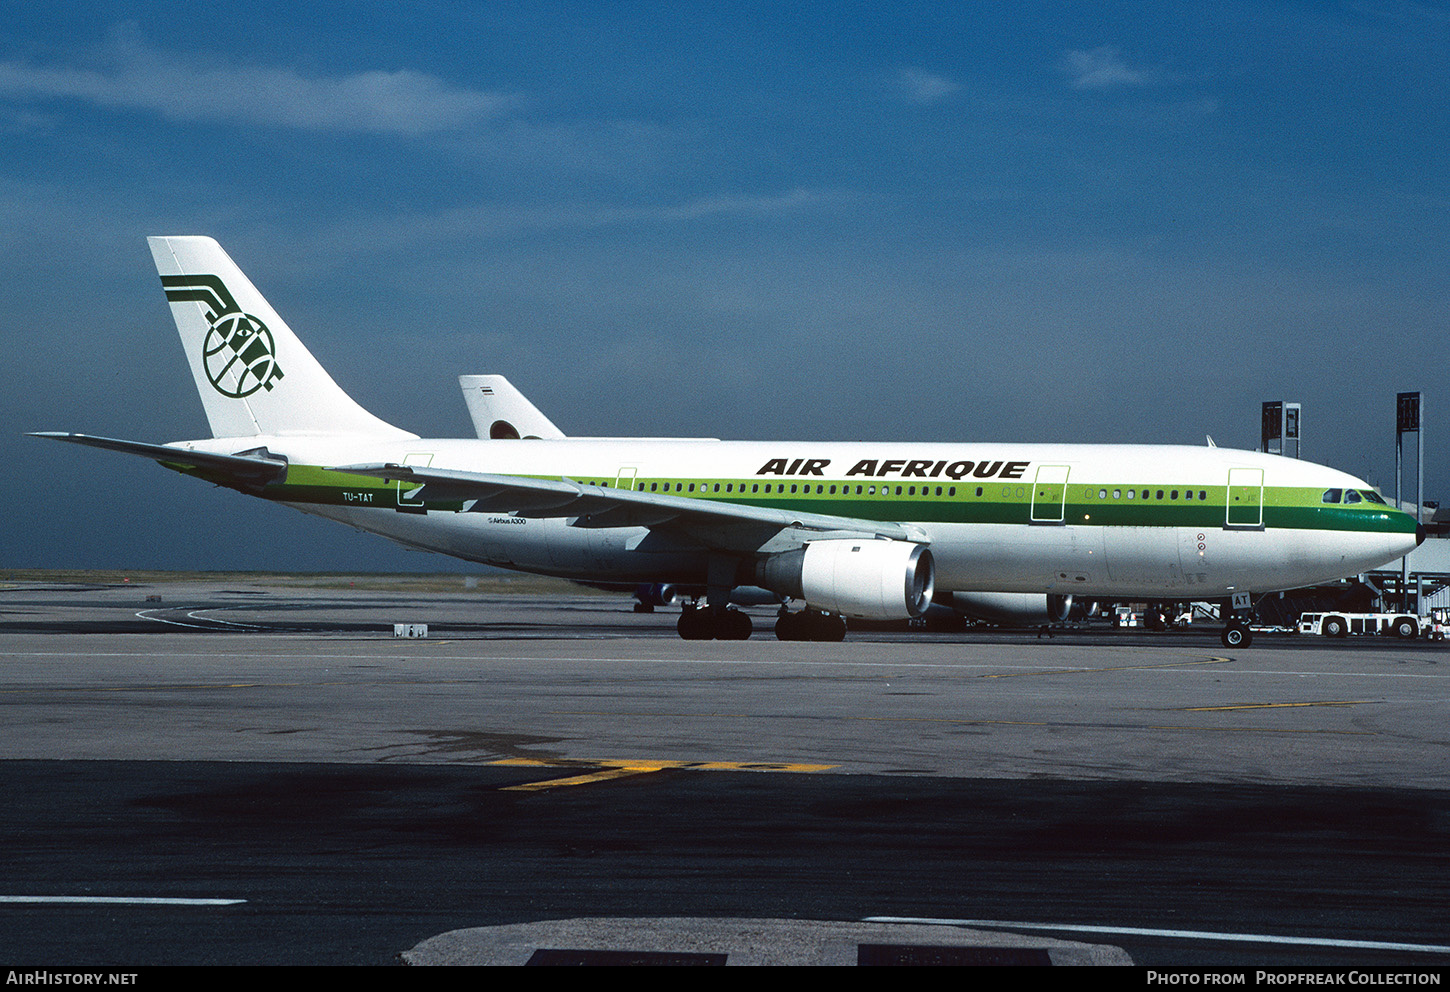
239,355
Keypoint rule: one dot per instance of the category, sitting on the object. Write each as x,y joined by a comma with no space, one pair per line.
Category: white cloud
470,224
217,87
920,86
1101,69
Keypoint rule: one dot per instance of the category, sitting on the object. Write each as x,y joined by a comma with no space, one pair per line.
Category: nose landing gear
1240,614
1237,635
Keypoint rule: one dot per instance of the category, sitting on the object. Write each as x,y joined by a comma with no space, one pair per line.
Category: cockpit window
1333,495
1352,497
1373,497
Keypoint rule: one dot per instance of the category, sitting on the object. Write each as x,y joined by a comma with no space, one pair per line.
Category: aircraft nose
1419,534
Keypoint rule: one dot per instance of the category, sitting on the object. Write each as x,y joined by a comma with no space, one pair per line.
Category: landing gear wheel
695,624
734,626
1236,636
808,625
700,623
788,627
832,627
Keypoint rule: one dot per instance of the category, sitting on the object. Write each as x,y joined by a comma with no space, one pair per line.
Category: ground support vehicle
1402,625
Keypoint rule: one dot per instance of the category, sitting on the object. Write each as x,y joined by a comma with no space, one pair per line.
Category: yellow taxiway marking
1273,706
605,771
1114,668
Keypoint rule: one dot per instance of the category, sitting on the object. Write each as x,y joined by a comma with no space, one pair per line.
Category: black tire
1236,636
788,627
808,625
829,627
695,624
1333,627
1407,628
735,626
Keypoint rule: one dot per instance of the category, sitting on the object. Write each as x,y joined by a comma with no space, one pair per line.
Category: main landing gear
810,625
701,623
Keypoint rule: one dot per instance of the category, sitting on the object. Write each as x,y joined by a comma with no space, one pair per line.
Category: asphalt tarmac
243,771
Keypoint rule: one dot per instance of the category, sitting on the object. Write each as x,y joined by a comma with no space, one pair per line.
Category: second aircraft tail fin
500,411
254,375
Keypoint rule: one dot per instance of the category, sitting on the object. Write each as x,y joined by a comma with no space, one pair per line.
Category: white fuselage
1062,538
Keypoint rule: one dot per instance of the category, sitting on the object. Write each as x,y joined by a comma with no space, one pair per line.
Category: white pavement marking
1250,938
126,900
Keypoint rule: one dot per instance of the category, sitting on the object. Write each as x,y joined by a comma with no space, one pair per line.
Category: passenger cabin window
1332,495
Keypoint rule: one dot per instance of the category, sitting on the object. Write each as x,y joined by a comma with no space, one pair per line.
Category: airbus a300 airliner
846,530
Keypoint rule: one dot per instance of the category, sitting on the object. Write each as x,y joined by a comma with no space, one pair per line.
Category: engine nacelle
1013,608
658,593
865,579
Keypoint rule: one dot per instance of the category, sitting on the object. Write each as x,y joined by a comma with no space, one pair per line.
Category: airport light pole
1408,419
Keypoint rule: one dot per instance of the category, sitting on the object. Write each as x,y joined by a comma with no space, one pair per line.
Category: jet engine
654,594
1013,609
865,579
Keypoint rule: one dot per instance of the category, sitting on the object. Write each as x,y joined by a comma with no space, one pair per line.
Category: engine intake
866,579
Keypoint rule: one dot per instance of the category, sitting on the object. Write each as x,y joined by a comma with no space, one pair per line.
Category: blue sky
976,221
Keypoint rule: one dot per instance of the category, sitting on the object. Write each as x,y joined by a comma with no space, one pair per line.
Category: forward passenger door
1245,504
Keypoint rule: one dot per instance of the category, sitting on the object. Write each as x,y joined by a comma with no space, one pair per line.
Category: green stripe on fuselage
999,503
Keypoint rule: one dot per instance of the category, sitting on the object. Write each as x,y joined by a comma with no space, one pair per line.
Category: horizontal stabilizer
250,468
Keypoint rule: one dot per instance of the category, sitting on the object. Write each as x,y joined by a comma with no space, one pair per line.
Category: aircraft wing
715,523
248,469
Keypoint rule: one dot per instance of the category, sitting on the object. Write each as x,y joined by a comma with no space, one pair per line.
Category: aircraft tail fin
500,411
254,375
